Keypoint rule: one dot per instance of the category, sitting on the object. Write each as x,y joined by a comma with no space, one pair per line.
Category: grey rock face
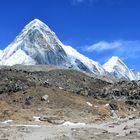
36,46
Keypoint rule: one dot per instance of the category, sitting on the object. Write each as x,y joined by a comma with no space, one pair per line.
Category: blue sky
96,28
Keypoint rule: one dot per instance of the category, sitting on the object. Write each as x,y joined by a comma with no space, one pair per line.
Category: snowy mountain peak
114,59
113,62
36,23
38,44
116,67
36,26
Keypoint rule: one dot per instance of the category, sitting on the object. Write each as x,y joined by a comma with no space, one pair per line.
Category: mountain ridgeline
37,44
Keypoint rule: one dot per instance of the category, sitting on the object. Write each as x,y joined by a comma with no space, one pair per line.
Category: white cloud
103,45
124,49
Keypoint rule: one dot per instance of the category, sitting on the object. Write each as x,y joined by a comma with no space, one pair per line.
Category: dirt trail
119,129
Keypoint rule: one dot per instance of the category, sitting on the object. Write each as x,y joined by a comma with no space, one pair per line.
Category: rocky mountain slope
64,93
14,80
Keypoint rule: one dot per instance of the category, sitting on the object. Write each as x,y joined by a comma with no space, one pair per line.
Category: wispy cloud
103,45
124,49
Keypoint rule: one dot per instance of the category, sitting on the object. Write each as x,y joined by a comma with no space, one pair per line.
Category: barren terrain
54,103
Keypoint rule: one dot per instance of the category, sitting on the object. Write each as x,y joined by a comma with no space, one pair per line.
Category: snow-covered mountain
37,44
117,68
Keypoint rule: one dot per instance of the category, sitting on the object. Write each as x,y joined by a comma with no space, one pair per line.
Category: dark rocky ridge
67,79
14,80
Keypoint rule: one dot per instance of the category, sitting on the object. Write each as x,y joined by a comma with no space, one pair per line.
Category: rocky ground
118,129
48,97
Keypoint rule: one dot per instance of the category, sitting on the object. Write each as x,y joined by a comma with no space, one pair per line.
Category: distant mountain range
37,44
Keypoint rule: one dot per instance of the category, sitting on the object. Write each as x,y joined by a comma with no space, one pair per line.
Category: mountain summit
116,67
37,44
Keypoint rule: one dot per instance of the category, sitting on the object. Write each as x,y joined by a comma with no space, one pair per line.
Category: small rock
132,118
105,131
133,132
28,100
113,106
126,128
23,129
43,118
53,120
46,83
84,93
112,126
45,98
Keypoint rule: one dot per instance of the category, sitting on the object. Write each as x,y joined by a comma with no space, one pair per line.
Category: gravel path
118,129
